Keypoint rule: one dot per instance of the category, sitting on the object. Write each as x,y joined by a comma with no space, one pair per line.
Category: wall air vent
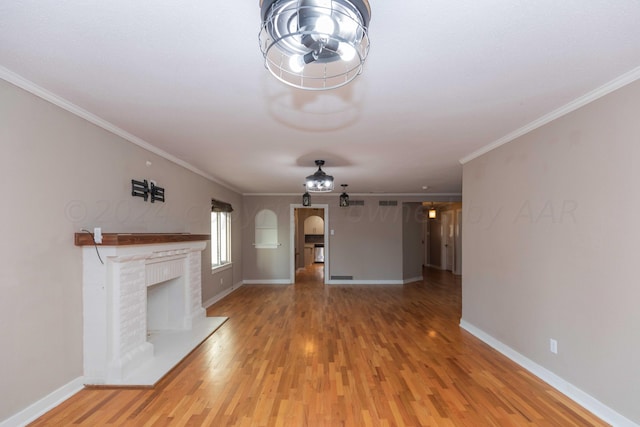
341,277
356,202
388,203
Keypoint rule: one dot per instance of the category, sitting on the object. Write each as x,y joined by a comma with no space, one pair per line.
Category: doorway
309,242
433,242
442,237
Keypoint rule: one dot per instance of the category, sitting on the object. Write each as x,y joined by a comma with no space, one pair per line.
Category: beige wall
412,246
551,242
59,174
367,242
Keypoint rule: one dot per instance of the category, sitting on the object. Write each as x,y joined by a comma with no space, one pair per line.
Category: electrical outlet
97,235
553,346
221,281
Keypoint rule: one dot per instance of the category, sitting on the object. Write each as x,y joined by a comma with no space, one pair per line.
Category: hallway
311,274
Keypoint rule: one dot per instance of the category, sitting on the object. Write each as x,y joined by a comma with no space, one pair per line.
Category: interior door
458,239
448,241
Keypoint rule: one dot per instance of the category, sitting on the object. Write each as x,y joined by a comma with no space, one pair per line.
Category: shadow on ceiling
314,111
332,160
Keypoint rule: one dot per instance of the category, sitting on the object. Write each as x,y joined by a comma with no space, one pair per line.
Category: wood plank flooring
314,355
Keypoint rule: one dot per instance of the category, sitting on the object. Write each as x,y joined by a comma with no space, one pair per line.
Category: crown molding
336,194
29,86
589,97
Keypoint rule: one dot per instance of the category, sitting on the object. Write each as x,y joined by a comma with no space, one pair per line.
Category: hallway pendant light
314,44
432,212
319,182
344,197
306,198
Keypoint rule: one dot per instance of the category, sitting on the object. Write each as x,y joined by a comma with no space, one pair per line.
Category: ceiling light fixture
433,213
314,44
344,197
319,182
306,197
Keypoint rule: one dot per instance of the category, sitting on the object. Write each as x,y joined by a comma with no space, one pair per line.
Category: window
220,233
266,229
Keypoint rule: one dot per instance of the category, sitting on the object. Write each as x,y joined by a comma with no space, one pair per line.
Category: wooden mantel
123,239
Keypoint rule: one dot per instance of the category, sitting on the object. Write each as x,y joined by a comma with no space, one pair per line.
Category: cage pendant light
319,182
314,44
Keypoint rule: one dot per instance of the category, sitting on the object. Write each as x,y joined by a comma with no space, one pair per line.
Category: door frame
292,234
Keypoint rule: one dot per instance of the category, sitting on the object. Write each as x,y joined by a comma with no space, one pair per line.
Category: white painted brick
115,305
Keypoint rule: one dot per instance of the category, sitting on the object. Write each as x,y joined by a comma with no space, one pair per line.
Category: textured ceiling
443,80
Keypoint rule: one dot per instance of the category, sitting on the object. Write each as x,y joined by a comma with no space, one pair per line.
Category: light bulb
347,52
324,25
296,63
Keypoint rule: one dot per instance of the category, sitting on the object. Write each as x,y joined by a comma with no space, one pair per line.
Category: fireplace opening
166,306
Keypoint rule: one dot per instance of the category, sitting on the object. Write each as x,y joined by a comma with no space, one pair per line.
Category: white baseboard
37,409
412,279
574,393
267,282
208,303
330,282
364,282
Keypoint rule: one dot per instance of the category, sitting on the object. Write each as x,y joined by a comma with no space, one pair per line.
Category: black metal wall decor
140,189
157,193
144,189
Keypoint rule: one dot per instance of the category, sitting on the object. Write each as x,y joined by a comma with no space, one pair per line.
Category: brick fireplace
143,307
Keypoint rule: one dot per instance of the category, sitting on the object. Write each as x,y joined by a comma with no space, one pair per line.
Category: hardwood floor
314,355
